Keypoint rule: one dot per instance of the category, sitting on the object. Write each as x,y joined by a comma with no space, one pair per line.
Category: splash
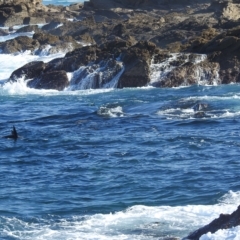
185,65
137,222
103,75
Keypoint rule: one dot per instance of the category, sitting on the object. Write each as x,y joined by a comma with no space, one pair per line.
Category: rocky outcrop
19,44
147,4
224,49
139,34
57,80
224,221
40,42
19,12
135,59
190,74
137,65
28,71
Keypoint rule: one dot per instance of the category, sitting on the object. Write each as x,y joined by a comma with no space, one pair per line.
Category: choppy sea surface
116,164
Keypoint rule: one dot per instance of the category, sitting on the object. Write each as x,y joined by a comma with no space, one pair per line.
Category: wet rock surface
118,29
224,221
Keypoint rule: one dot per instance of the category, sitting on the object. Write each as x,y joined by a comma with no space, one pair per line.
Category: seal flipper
14,134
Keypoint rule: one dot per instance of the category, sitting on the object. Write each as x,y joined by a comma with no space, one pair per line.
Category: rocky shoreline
138,33
186,41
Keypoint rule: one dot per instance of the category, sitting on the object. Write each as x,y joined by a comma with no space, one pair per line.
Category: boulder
19,12
57,80
19,44
191,73
28,71
52,25
45,38
3,33
137,61
28,28
73,60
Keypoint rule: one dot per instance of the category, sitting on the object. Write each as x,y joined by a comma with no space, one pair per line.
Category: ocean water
116,164
62,2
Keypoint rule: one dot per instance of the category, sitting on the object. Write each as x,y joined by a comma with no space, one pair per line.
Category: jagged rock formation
142,34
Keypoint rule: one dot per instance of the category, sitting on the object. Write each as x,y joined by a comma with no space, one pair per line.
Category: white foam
95,76
111,111
223,234
11,62
14,35
203,76
138,222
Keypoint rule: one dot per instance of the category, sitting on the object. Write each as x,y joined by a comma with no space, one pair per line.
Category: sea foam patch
137,222
18,60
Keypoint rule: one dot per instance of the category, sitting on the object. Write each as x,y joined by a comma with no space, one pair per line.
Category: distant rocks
225,221
40,42
19,12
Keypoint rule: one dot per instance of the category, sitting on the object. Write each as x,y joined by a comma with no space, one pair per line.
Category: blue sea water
115,164
62,2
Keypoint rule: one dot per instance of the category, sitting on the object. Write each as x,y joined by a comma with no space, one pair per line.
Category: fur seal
14,134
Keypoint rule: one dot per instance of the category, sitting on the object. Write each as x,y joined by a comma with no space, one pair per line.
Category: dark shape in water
14,134
200,106
200,114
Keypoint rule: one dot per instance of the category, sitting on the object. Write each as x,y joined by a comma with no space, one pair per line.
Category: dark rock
3,32
28,28
85,38
34,20
52,25
137,65
107,70
224,221
45,38
188,73
74,59
28,71
14,20
57,80
19,44
71,28
200,114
